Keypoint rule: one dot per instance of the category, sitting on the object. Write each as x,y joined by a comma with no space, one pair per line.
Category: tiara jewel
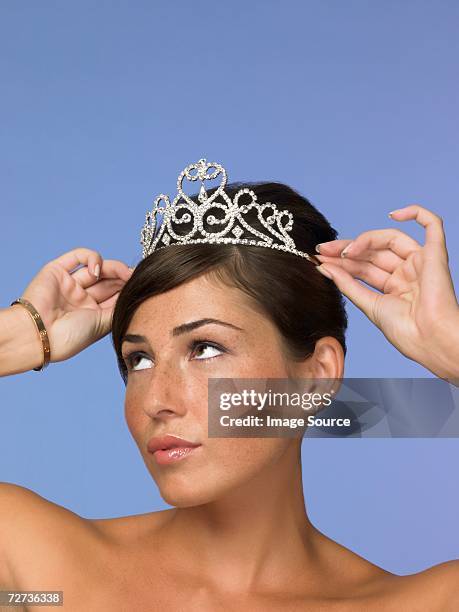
231,224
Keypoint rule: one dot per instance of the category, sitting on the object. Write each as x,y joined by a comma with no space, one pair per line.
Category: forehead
195,299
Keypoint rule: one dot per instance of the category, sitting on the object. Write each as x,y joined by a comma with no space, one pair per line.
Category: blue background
104,103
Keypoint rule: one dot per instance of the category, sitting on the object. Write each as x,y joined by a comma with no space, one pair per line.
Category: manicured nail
345,251
324,271
97,271
392,212
318,247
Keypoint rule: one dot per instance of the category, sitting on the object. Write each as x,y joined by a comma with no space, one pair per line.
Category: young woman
238,536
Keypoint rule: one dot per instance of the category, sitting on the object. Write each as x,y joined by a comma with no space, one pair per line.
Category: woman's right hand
77,307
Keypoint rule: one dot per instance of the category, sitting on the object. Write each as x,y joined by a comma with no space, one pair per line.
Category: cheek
132,422
232,461
135,417
252,451
266,362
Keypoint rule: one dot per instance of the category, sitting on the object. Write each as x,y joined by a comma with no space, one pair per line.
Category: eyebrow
181,329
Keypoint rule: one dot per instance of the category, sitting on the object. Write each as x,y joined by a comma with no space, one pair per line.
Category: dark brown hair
303,304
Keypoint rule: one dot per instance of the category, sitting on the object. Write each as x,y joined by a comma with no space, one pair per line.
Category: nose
163,398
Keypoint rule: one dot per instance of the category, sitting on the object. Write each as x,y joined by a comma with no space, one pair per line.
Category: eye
136,360
209,349
131,361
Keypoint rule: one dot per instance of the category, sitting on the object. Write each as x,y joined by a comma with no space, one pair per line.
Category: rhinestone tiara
234,227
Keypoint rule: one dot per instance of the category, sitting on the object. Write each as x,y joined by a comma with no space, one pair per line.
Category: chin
182,496
192,487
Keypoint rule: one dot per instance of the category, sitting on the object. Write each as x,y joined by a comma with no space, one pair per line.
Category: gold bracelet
41,331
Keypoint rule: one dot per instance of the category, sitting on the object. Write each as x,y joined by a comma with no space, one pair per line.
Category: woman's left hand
417,309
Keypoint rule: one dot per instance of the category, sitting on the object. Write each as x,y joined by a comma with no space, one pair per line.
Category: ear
327,361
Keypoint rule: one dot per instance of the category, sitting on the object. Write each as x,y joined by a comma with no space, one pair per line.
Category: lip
170,449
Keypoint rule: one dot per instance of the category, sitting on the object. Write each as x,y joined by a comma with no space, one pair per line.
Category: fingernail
318,247
325,271
392,212
345,251
97,271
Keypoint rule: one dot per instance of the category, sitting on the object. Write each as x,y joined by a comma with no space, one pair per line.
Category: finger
384,259
393,240
333,247
432,223
361,296
110,303
436,261
116,269
106,314
111,268
105,321
72,259
363,270
84,278
105,289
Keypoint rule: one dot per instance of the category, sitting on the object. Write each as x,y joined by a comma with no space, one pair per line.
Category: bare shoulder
33,528
435,589
24,508
22,498
439,585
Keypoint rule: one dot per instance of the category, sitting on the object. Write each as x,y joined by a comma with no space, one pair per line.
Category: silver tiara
234,227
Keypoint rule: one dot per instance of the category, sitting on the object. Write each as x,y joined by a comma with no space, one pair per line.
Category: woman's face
167,385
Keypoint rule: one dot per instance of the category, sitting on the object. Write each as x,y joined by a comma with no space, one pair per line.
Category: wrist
21,348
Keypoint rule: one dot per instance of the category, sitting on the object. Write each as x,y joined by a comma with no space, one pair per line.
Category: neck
253,537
